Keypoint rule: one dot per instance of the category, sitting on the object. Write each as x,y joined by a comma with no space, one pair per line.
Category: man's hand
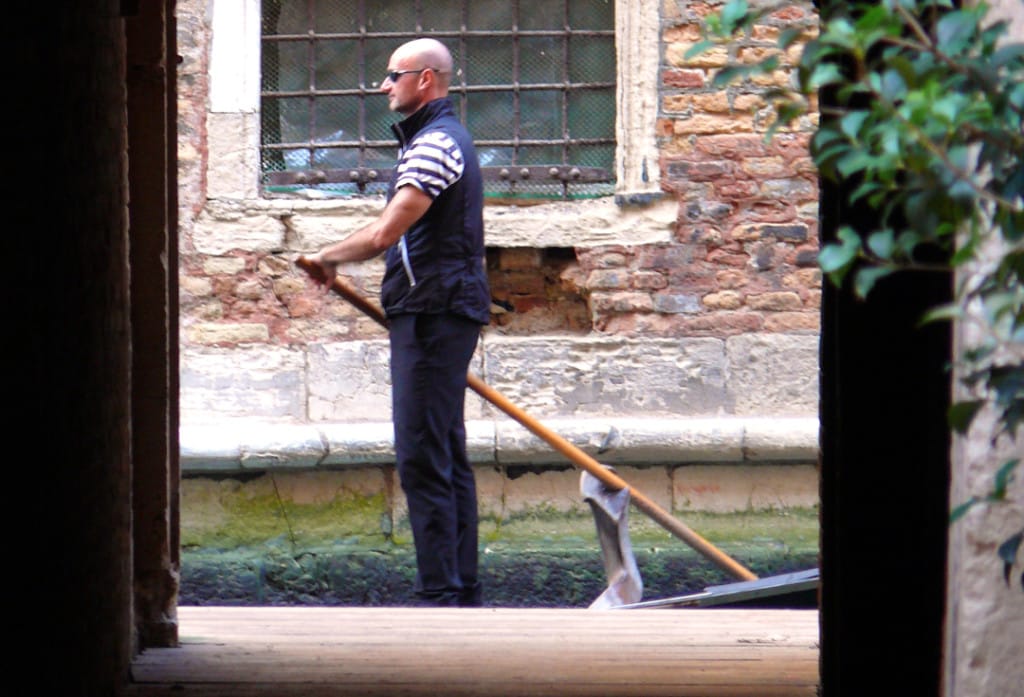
322,272
406,207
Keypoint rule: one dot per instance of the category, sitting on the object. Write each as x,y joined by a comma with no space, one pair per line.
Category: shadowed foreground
399,652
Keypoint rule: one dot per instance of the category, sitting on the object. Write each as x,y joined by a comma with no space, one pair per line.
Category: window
535,85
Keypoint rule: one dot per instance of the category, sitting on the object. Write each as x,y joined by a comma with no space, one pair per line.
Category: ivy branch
929,121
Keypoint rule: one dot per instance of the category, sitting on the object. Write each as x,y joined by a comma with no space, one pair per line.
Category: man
436,298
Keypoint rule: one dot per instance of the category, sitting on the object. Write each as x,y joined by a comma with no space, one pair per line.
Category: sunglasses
393,75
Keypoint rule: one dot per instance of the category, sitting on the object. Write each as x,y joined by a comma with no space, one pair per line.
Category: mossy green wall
343,538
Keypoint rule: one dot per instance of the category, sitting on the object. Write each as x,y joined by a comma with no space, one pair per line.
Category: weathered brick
803,278
608,279
676,303
735,146
748,102
793,322
753,54
664,128
773,210
196,286
699,171
746,233
726,323
571,279
207,311
807,257
223,265
521,282
775,302
701,234
764,32
675,55
622,325
273,266
713,123
723,300
699,192
303,307
737,190
649,280
621,302
777,78
765,256
786,233
519,258
728,258
249,290
689,33
693,278
288,286
791,189
714,102
789,13
206,333
683,78
764,166
730,278
663,257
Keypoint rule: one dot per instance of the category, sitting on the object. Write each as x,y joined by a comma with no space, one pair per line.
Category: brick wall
741,258
725,250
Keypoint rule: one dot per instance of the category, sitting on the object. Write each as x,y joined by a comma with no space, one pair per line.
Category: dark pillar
152,113
885,390
68,309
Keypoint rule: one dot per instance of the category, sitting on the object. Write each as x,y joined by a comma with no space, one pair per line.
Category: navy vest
445,248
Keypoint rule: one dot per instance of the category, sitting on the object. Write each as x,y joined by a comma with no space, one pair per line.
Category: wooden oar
560,444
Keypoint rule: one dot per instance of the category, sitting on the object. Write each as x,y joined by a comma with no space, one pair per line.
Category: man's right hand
322,272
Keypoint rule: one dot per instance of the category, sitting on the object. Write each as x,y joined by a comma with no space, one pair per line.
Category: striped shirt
431,163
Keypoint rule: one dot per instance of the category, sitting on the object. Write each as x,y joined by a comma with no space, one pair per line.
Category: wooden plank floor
405,652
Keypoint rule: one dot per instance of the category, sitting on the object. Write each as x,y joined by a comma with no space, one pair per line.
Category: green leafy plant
926,120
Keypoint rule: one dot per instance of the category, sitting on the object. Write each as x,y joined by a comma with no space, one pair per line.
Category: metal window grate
534,83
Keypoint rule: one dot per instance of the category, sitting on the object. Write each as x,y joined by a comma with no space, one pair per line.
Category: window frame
566,175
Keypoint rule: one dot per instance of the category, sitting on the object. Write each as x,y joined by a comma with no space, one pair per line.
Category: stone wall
691,294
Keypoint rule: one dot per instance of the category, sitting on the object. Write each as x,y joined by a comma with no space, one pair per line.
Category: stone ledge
238,445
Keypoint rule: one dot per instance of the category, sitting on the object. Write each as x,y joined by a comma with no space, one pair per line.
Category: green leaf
908,242
867,277
883,244
788,37
1003,478
954,30
730,74
1007,552
852,122
836,258
958,512
824,74
855,161
892,85
698,48
734,13
942,313
961,415
865,189
824,136
1007,54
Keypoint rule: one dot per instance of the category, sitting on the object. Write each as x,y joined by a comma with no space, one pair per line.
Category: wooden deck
403,652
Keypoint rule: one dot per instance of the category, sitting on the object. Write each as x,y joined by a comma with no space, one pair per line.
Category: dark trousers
430,355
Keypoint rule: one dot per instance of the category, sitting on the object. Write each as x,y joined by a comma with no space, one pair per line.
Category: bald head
426,53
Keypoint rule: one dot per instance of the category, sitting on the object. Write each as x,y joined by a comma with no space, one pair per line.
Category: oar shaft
560,444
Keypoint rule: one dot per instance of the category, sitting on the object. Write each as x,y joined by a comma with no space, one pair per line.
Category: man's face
404,94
